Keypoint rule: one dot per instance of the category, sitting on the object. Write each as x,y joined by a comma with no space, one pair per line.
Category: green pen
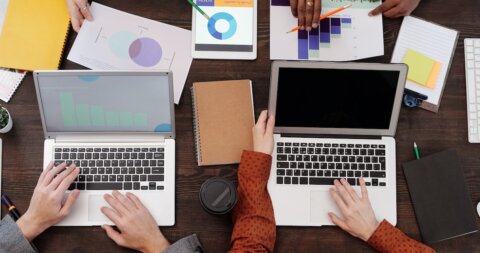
415,149
198,9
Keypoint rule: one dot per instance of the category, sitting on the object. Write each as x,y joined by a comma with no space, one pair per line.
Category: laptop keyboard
321,163
128,168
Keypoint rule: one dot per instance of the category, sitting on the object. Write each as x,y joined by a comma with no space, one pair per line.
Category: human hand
46,207
395,8
138,229
307,12
263,133
358,217
78,11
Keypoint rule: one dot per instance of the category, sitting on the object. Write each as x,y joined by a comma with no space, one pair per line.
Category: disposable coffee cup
218,195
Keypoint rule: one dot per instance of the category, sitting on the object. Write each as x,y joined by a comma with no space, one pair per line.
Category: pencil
198,9
324,16
415,150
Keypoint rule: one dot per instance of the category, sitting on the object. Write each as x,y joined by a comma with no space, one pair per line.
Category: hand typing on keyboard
46,207
138,229
358,216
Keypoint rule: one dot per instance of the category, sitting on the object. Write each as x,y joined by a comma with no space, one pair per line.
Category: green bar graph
68,109
83,115
126,119
98,118
112,119
140,119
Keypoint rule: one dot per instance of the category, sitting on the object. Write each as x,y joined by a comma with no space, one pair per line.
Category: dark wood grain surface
23,147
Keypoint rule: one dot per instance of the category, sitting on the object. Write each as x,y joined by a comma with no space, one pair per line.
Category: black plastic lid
218,195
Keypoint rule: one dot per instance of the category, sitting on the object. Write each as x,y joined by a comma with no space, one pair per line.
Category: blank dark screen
335,98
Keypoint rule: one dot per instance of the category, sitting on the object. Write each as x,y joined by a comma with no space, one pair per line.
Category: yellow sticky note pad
422,69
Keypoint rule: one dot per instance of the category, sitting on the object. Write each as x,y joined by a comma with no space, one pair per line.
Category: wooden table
23,147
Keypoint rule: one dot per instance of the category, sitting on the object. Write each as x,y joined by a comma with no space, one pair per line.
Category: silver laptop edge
334,65
105,136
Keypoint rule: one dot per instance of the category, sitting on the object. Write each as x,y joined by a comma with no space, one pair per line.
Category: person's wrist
29,227
370,231
157,245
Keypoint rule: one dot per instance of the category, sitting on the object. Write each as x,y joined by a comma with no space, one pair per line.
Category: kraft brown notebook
223,120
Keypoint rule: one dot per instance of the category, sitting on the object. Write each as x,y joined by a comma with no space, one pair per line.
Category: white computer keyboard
472,72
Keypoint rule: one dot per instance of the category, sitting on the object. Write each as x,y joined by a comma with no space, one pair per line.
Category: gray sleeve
12,239
189,244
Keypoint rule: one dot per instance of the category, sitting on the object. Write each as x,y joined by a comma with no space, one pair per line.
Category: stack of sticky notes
422,69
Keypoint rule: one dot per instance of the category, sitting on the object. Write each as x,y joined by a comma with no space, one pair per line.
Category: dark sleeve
388,238
12,239
254,222
189,244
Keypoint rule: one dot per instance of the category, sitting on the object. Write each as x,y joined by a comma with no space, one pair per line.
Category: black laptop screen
335,98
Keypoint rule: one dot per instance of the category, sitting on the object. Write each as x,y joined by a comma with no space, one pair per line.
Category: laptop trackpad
95,202
320,205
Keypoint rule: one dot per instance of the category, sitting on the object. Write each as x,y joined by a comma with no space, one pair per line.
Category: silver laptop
333,120
119,128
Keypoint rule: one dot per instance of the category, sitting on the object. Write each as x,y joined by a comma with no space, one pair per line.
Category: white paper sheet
117,40
363,38
432,40
10,79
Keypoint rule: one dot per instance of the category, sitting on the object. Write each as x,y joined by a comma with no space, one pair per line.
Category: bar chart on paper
349,35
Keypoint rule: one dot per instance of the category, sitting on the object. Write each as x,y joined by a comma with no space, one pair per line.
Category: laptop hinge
109,139
332,136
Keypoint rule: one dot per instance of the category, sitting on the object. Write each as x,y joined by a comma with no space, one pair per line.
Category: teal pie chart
222,35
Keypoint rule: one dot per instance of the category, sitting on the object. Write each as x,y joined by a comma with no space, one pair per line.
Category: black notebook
439,194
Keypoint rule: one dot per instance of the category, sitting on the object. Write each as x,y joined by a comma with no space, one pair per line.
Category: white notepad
434,41
10,79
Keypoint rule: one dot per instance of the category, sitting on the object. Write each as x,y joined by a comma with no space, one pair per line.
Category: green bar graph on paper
112,119
140,119
83,115
68,109
98,118
126,119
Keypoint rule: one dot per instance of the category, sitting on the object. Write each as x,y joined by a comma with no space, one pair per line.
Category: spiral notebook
10,79
33,34
223,120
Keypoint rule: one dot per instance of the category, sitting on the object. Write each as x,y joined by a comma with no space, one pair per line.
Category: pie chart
222,16
145,52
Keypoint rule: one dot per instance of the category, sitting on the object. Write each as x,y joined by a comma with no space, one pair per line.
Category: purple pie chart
145,52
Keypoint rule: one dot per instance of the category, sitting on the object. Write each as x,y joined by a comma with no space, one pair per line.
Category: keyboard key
294,180
104,186
379,174
127,186
279,180
380,152
136,186
321,181
304,180
287,180
280,172
282,164
281,157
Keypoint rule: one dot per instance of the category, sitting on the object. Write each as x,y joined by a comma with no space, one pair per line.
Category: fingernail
370,14
302,28
315,25
309,29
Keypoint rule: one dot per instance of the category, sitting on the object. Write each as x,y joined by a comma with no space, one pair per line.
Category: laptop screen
335,98
105,103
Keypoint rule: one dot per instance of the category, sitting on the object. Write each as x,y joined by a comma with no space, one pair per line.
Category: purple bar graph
280,3
346,20
325,31
313,39
336,26
302,44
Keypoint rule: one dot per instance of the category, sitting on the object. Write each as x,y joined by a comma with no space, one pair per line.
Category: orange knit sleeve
254,222
388,238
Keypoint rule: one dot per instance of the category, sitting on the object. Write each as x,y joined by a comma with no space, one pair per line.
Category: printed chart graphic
309,43
144,51
222,16
85,115
348,35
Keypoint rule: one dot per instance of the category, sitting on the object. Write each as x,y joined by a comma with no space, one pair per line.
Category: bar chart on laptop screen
85,115
347,35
